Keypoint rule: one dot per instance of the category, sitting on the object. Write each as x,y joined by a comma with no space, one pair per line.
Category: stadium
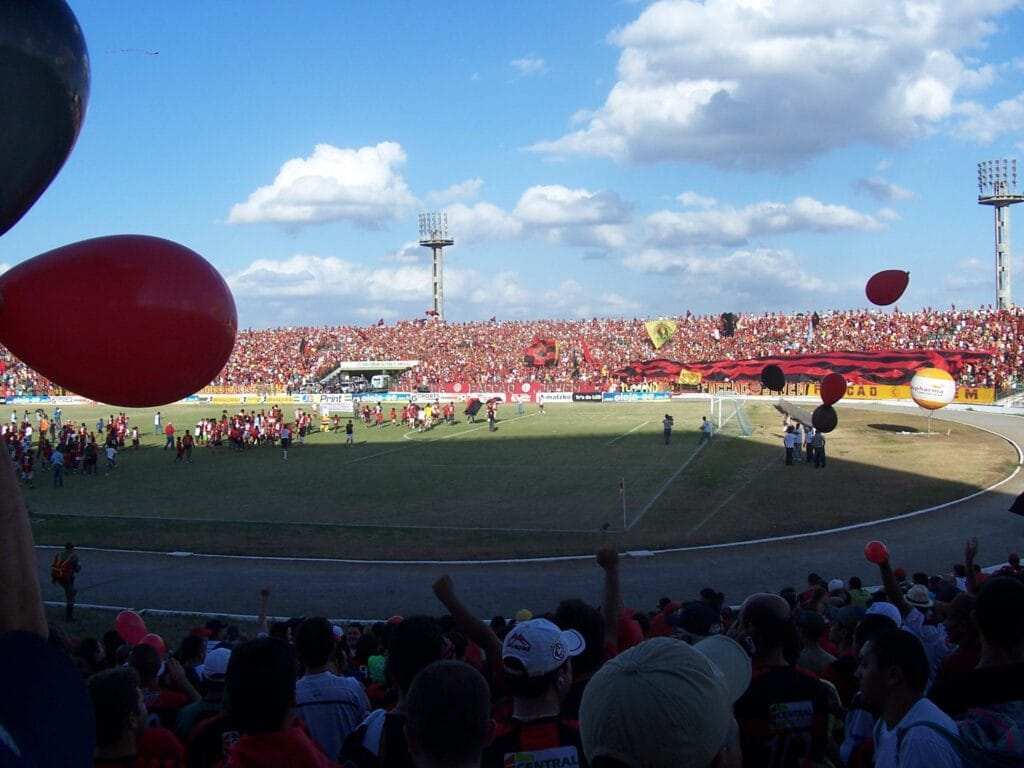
244,524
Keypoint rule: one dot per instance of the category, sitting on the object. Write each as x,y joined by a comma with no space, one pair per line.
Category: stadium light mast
997,186
434,235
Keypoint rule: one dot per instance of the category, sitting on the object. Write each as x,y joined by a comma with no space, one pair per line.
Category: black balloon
44,90
825,418
773,378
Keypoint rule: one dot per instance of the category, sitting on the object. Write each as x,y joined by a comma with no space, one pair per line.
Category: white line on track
462,432
634,429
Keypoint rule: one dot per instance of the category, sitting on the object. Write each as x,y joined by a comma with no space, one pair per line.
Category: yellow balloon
932,388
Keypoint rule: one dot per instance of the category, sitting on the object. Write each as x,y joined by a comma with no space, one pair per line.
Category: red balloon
833,387
157,642
876,552
886,287
160,324
130,626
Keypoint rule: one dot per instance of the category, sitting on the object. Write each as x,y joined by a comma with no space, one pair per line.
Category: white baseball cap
540,646
836,585
888,610
217,662
664,703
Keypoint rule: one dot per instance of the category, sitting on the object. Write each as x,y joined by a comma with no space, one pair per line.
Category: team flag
542,352
689,378
660,331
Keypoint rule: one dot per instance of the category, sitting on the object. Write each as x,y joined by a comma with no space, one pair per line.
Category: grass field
542,484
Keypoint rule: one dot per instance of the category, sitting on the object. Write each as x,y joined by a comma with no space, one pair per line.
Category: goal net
729,412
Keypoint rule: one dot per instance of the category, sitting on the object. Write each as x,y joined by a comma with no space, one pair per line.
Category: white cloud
409,253
751,84
694,200
481,222
4,267
528,65
734,226
757,278
986,125
332,184
970,273
464,190
575,217
376,312
880,189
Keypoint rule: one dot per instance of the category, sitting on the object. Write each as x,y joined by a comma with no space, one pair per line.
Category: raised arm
611,601
892,589
21,603
970,552
472,627
262,626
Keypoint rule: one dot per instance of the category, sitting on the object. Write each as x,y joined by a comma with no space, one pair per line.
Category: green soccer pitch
542,484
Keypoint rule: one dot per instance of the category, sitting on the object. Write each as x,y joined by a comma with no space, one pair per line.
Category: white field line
730,497
672,477
634,429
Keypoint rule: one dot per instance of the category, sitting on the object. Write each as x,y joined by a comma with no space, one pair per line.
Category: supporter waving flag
542,352
660,331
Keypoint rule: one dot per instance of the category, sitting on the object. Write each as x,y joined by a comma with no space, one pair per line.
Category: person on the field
62,573
666,425
349,433
286,441
809,433
706,429
57,462
819,448
169,434
788,441
188,443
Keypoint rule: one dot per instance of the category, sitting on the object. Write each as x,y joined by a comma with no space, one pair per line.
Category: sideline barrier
972,395
634,397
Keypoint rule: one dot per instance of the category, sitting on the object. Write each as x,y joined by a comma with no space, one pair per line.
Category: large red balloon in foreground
833,387
886,287
136,320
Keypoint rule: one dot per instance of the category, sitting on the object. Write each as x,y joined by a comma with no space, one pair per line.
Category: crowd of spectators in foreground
485,356
924,671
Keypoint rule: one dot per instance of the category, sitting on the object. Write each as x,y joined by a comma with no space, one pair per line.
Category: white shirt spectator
331,707
932,637
919,747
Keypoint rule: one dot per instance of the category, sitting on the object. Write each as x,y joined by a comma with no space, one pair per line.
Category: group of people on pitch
803,442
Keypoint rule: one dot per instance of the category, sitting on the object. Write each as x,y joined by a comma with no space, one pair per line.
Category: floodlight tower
997,186
434,235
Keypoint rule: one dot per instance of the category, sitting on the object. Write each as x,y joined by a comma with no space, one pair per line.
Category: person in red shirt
169,434
259,693
187,443
394,418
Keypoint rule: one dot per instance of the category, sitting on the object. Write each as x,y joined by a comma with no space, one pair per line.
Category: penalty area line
624,434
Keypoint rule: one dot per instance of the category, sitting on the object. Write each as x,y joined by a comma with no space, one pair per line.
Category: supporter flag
689,378
302,346
660,331
810,331
881,367
472,406
431,313
542,352
589,358
380,322
494,319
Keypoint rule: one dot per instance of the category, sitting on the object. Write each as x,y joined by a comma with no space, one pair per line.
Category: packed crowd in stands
923,671
486,355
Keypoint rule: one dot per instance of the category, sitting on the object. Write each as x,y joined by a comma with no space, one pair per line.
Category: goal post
726,407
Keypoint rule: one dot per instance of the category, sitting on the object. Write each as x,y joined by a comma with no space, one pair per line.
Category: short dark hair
115,699
587,620
999,611
870,627
521,685
854,582
314,641
146,661
260,684
413,644
447,711
896,648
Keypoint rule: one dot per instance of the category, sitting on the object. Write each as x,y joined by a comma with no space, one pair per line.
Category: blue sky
595,159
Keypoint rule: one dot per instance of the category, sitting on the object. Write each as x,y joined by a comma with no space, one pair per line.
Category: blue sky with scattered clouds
594,158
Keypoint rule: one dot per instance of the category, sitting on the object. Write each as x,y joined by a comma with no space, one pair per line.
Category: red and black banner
541,352
882,367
